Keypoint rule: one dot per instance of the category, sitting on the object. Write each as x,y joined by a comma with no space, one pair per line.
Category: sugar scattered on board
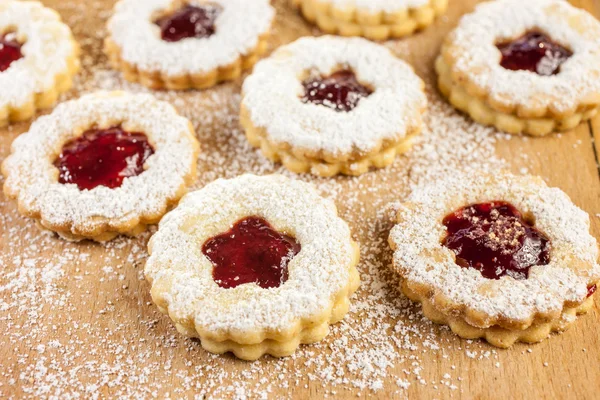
85,309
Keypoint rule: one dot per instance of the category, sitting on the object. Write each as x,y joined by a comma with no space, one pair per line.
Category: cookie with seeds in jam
499,257
523,67
109,163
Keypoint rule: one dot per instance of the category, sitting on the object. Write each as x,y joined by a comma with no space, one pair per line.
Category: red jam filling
591,290
496,240
340,91
535,52
10,50
251,252
189,22
103,157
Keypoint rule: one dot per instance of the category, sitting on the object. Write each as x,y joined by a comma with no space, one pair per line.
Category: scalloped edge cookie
100,214
248,320
191,72
471,77
308,137
506,310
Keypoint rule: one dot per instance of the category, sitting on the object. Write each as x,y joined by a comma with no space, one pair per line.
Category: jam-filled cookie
504,258
524,66
178,44
373,19
108,163
38,59
332,105
253,265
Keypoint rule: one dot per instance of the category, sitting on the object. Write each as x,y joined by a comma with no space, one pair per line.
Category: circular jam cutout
10,50
103,157
340,91
534,51
191,21
251,252
496,240
591,290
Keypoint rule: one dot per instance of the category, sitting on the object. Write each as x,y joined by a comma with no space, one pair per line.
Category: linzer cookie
332,105
253,265
106,164
175,44
502,257
524,66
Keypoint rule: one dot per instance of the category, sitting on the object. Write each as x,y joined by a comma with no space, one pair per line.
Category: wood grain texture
562,367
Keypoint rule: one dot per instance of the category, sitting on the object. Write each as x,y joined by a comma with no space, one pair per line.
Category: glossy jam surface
495,239
103,157
191,21
10,50
251,252
591,290
535,52
340,91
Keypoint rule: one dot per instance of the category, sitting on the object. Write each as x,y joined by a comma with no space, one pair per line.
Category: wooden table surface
76,320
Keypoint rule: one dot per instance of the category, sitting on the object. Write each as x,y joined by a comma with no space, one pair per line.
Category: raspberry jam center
340,91
535,52
191,21
591,290
10,50
496,240
251,252
103,157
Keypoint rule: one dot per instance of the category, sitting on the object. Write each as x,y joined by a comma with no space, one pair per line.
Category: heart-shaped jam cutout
591,290
103,157
496,240
10,50
534,51
251,252
190,21
340,91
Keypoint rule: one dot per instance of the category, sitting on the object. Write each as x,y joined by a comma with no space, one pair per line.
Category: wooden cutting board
77,319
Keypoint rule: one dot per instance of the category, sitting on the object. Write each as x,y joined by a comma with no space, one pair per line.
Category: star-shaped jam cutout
190,21
340,91
252,251
496,240
103,157
534,51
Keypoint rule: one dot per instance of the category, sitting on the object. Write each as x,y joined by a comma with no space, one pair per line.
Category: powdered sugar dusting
383,339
